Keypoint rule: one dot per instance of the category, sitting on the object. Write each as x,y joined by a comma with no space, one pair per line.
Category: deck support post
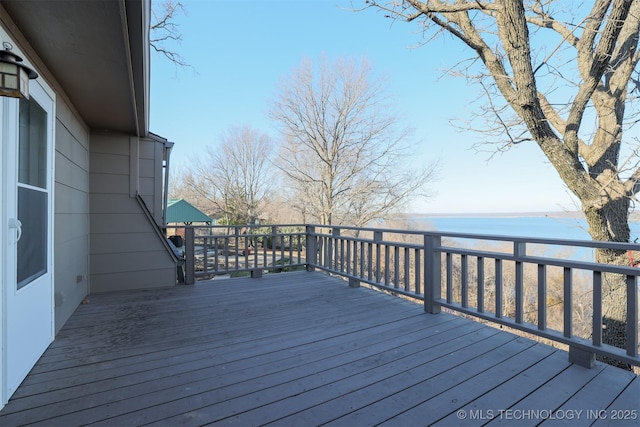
581,357
189,256
432,274
256,273
311,247
354,283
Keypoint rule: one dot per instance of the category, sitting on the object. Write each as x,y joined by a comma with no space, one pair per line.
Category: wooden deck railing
547,287
250,249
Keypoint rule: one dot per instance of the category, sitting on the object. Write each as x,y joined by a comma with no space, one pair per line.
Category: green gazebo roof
181,211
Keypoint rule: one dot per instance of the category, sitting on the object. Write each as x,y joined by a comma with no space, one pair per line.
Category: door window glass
32,193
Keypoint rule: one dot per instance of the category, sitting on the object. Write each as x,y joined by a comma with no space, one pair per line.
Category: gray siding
125,251
71,210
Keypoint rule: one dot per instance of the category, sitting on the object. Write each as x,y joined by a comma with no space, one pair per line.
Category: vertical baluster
236,247
216,250
449,261
632,316
362,259
255,250
226,253
387,265
265,243
290,249
341,261
464,281
498,281
349,260
480,301
396,267
205,255
597,309
416,264
369,260
407,269
282,247
568,303
542,297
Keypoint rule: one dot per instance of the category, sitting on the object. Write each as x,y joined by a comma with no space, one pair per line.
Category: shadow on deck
303,349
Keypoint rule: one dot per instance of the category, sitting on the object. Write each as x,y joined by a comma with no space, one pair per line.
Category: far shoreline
551,214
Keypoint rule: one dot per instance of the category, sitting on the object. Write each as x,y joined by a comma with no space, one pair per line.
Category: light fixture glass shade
14,77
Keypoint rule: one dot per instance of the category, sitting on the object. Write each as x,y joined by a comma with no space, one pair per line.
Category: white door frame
8,132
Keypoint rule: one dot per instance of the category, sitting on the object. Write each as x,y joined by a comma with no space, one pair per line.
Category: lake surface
525,226
522,226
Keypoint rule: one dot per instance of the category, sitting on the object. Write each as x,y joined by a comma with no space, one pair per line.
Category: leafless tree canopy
557,73
343,153
562,74
165,33
232,179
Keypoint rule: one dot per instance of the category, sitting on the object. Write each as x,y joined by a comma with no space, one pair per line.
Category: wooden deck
302,349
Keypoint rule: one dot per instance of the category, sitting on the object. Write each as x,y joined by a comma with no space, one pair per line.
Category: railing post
377,238
311,247
189,256
432,274
256,271
333,249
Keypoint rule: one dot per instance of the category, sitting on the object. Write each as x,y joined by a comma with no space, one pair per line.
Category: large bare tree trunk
581,133
610,223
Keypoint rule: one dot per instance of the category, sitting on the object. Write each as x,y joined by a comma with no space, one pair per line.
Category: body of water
524,226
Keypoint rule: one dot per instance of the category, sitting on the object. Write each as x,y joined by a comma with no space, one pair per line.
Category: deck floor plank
380,411
256,406
294,349
488,405
239,370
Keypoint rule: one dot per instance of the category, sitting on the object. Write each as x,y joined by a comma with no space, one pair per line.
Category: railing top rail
624,246
236,225
594,244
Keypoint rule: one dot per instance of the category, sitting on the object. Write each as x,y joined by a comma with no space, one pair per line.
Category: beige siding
150,176
71,207
126,251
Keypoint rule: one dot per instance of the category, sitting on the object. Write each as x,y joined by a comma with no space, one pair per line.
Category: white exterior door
27,214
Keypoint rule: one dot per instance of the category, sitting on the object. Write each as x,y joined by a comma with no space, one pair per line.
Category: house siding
119,224
71,213
150,172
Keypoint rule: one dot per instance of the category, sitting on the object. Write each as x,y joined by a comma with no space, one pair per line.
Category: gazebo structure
181,212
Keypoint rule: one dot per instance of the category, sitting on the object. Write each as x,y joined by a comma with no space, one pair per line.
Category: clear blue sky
240,49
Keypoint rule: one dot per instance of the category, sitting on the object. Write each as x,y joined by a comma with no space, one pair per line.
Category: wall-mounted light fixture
14,76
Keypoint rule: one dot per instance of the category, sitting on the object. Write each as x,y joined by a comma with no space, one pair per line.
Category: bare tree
165,31
234,177
344,154
560,75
